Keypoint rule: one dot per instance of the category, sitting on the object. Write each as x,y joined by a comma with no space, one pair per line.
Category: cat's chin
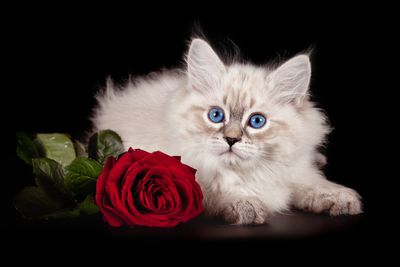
231,158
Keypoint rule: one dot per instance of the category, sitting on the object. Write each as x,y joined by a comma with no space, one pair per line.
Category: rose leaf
88,206
49,175
62,214
104,144
26,148
81,176
58,147
33,202
80,149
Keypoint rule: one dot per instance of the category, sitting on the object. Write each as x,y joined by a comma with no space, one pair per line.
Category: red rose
148,189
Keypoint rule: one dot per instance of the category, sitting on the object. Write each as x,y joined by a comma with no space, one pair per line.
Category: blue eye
216,115
257,121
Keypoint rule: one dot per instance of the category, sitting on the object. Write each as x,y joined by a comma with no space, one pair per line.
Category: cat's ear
291,80
204,67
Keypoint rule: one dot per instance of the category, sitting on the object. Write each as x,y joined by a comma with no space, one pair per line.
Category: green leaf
62,214
33,202
104,144
58,147
88,206
26,148
49,176
81,176
80,149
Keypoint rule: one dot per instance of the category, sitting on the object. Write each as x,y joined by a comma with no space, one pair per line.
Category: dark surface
297,231
292,226
57,59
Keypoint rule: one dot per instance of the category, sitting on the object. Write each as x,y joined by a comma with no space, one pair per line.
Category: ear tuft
203,65
291,80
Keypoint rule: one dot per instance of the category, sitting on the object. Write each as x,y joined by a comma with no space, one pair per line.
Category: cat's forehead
245,75
242,87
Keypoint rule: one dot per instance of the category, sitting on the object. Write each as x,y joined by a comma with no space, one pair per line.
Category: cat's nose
231,141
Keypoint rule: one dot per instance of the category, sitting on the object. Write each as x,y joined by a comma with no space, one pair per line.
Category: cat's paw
246,211
336,201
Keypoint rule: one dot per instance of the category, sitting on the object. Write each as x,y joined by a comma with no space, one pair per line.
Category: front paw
246,211
336,201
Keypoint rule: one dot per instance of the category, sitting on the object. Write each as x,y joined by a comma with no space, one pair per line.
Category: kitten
251,132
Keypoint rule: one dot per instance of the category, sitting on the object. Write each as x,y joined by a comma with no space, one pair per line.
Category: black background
57,57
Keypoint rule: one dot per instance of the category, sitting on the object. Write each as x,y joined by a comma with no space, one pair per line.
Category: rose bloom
148,189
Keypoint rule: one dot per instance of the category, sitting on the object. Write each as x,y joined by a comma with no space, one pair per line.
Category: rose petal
190,169
164,160
148,189
166,181
102,179
133,176
137,154
110,215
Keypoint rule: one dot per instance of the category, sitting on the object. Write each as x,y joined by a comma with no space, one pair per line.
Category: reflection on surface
291,225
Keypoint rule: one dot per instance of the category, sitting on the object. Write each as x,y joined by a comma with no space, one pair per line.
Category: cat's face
241,114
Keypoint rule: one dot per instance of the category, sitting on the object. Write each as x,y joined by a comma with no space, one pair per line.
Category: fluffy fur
268,169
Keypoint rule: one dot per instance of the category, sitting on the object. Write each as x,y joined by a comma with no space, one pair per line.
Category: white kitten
251,132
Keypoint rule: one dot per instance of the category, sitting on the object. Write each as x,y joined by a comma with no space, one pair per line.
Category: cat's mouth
231,153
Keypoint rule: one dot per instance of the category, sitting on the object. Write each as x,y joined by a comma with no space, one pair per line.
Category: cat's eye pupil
216,115
257,121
